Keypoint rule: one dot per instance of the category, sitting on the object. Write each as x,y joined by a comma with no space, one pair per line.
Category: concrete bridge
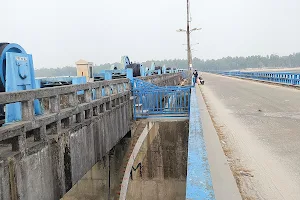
42,157
240,141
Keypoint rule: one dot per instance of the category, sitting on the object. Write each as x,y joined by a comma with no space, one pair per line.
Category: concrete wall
102,181
163,164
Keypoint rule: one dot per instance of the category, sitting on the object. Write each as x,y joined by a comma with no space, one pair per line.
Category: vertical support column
19,143
99,92
27,110
54,107
108,105
114,89
73,101
40,134
54,104
87,96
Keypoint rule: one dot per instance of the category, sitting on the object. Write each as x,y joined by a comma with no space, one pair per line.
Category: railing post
98,92
114,89
73,101
54,104
87,96
19,143
27,110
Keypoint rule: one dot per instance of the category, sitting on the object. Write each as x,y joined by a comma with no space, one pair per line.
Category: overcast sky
60,32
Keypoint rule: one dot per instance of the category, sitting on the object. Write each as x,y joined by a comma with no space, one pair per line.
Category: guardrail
287,78
198,182
151,100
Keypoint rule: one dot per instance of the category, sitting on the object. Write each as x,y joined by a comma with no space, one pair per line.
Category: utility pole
188,32
189,56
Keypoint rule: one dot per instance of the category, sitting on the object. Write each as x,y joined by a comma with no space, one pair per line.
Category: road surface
259,129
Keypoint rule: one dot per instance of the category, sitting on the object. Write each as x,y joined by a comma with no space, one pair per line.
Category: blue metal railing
151,100
288,78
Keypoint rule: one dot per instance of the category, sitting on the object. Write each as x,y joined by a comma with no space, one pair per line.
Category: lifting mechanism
16,74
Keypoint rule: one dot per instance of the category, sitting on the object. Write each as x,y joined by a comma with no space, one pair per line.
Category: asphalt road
261,126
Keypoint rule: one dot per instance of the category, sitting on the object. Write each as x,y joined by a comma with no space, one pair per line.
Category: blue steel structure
198,183
153,70
153,101
137,70
59,81
277,77
16,74
114,74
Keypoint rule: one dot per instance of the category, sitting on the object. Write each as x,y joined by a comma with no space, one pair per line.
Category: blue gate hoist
16,74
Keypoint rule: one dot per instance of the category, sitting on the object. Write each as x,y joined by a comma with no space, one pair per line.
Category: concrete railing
43,156
75,109
287,78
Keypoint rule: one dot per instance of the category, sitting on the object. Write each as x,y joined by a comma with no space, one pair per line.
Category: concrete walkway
224,184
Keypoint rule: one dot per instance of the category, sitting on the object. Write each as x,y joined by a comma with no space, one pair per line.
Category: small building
85,68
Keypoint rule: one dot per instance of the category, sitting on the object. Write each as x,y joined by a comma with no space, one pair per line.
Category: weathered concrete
162,158
102,181
42,157
159,170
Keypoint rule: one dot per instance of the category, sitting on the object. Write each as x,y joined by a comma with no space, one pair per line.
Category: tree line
223,64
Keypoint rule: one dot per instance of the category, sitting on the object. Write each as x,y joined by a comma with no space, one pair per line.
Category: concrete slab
224,184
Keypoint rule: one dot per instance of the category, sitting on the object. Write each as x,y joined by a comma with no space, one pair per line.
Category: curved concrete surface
138,145
259,127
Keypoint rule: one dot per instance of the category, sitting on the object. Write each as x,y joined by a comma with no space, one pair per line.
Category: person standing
195,73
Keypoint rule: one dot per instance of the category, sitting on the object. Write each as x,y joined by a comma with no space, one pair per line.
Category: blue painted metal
14,48
129,74
81,80
125,61
164,69
151,100
114,74
19,75
287,78
152,71
199,183
59,81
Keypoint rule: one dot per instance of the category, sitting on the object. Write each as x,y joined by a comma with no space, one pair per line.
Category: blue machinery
126,70
59,81
137,70
16,74
154,101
